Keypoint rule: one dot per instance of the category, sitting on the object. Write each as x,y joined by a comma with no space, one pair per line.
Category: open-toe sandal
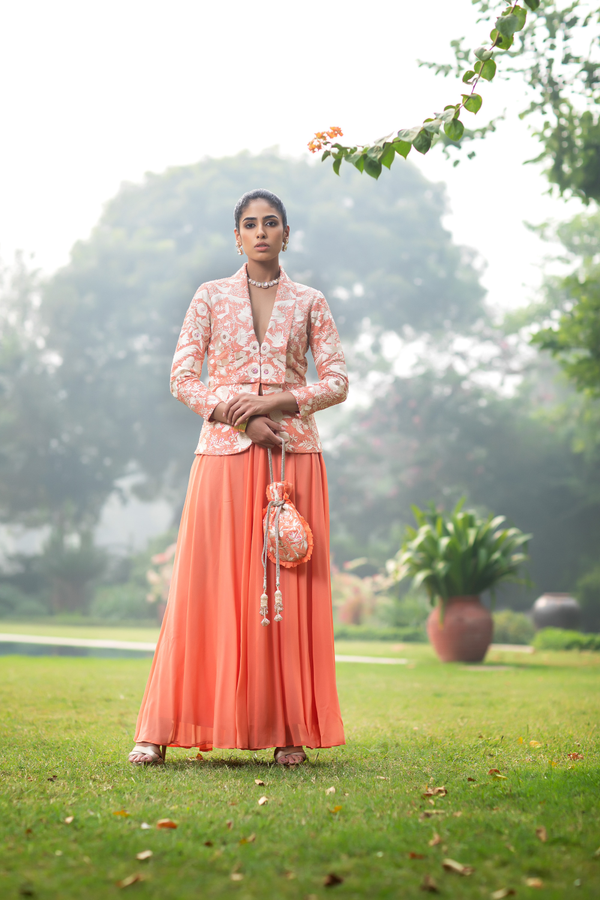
152,758
282,753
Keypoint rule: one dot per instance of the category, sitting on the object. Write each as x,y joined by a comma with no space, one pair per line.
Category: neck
263,271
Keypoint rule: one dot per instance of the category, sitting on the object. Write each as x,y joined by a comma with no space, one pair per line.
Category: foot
146,754
289,756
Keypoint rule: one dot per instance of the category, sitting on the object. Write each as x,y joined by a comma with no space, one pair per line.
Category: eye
249,225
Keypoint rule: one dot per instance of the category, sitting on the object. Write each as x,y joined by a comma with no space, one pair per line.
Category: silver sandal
152,757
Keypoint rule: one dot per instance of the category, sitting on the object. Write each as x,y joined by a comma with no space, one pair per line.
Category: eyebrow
253,218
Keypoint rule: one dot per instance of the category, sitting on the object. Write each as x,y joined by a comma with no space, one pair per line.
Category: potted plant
455,557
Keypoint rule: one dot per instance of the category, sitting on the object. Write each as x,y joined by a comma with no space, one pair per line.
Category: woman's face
261,231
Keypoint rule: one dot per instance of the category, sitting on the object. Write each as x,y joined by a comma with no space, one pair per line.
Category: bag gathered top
288,540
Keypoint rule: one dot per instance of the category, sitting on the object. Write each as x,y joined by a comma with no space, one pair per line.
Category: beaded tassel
277,505
278,605
264,609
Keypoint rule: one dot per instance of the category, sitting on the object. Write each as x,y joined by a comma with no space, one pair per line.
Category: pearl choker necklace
263,284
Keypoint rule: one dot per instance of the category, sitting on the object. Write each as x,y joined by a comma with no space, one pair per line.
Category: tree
540,38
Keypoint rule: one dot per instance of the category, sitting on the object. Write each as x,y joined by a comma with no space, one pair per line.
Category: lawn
73,810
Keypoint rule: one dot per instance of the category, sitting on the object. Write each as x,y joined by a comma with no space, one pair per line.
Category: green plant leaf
521,15
433,125
388,156
468,75
326,153
336,165
483,53
402,147
409,134
533,4
507,25
486,69
422,142
501,41
454,129
472,102
372,167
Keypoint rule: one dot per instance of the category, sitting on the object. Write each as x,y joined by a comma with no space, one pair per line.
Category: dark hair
258,194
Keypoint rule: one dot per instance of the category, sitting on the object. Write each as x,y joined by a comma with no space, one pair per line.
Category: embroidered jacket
219,323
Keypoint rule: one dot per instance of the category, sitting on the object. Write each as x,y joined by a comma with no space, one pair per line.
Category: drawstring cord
277,506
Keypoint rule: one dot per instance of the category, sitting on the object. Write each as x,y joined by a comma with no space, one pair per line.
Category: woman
218,678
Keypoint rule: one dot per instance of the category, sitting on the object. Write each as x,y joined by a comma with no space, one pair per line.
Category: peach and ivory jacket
219,323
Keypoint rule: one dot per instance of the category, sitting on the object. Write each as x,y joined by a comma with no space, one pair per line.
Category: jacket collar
278,332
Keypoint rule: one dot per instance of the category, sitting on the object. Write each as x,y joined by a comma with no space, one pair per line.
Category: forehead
259,209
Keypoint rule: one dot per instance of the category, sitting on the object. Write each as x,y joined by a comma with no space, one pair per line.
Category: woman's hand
263,431
239,409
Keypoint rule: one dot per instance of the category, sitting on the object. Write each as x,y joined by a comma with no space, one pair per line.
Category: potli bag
288,539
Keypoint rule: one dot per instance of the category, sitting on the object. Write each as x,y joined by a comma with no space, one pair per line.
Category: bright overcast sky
94,94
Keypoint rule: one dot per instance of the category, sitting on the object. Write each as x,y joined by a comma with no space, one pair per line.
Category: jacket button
254,370
265,370
254,346
264,348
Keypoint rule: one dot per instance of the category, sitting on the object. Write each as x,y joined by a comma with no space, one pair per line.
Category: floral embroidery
219,324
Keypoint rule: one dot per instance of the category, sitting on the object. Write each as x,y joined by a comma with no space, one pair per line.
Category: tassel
264,609
278,605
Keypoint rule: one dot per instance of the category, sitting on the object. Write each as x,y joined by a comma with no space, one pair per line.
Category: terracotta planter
556,611
466,631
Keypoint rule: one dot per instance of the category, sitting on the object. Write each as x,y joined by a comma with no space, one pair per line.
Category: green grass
408,727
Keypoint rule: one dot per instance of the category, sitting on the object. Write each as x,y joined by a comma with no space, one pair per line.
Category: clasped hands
255,409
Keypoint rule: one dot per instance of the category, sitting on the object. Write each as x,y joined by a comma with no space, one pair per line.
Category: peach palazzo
219,678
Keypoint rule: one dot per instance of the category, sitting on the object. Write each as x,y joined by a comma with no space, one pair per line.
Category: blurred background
131,129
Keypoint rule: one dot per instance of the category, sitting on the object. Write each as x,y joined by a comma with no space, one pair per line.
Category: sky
94,94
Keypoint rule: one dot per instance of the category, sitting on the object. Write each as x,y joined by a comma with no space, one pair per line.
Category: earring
239,249
285,244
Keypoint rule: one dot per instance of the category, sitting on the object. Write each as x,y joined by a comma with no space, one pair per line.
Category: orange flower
314,146
334,131
321,135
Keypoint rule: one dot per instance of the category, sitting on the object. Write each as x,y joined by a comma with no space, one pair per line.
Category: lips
261,247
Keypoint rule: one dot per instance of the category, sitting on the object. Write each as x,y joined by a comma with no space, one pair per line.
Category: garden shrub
512,627
15,603
119,602
373,633
562,639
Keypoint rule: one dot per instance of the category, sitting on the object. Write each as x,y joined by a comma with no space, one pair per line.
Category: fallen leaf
541,833
428,884
435,792
435,840
131,879
450,865
236,876
330,790
259,781
470,779
144,826
29,831
208,844
121,812
229,823
534,744
53,778
249,840
428,813
495,773
520,740
290,876
457,814
263,800
335,810
166,823
331,880
145,854
199,756
383,778
534,882
502,893
412,855
69,819
575,755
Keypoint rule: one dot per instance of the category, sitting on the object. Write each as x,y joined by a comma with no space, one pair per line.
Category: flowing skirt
220,678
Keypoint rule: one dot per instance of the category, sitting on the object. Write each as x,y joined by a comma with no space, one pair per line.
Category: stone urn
556,611
466,631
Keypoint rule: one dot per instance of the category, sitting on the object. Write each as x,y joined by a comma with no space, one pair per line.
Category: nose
260,231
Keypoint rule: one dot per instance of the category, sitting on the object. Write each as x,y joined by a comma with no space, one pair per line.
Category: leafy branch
371,158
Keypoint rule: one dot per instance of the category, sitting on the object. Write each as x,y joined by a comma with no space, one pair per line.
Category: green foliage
370,158
459,553
120,602
512,627
408,633
15,603
562,639
587,591
570,315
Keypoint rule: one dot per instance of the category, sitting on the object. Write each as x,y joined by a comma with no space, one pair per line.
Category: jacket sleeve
326,347
189,356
